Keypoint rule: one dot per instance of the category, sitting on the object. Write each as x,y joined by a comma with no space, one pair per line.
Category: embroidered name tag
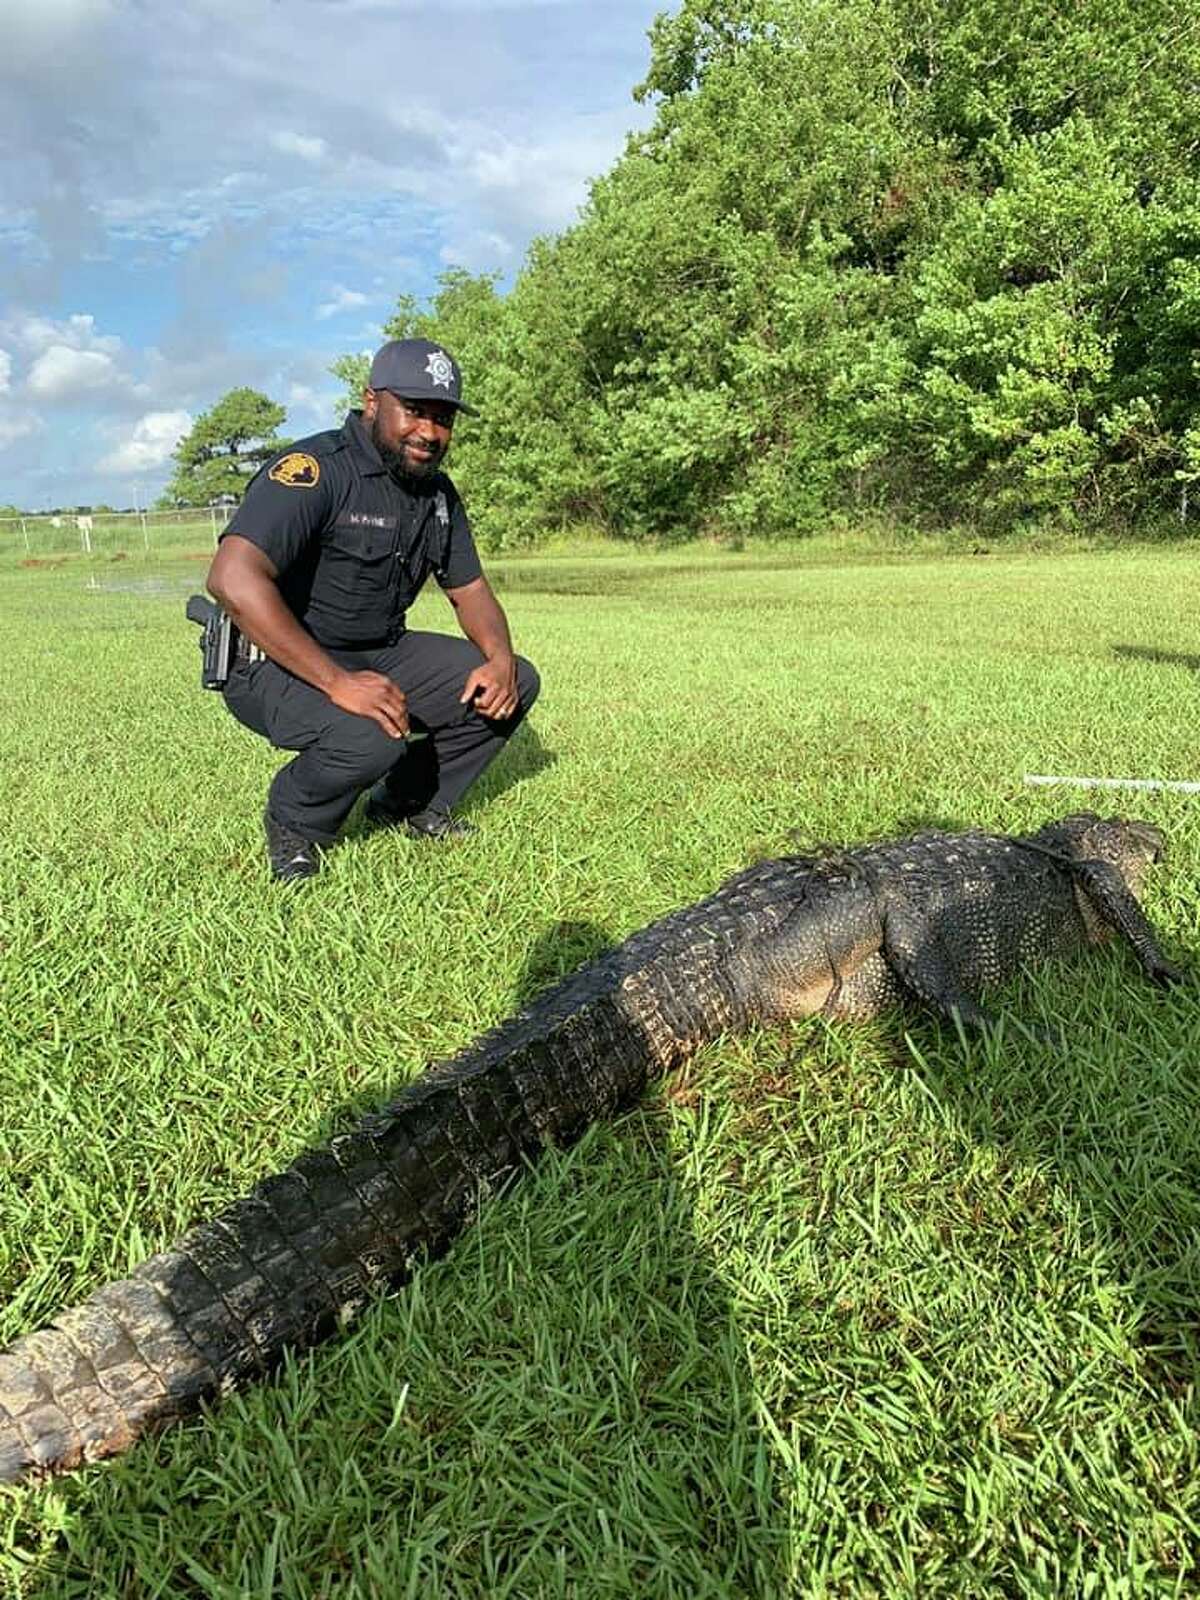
364,519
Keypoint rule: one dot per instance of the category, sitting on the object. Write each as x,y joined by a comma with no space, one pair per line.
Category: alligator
937,917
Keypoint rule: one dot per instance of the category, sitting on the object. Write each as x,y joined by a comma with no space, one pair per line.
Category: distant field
843,1312
153,535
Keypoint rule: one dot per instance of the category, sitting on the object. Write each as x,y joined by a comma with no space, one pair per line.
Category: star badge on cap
440,368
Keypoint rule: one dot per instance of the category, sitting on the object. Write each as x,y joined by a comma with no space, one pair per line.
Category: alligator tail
309,1247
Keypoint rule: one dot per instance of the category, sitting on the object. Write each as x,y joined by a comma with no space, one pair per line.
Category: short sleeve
461,564
285,506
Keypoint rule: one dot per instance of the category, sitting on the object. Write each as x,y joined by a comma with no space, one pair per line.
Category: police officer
317,567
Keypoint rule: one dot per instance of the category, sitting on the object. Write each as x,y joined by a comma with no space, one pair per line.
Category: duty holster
218,640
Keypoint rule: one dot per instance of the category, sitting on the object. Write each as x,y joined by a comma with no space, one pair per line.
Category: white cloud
69,357
35,334
36,31
221,187
16,425
60,371
150,442
54,16
311,407
307,147
477,252
5,371
521,185
339,301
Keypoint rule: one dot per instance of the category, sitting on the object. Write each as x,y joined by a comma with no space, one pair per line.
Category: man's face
412,436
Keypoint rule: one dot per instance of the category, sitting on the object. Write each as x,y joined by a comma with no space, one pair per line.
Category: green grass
839,1312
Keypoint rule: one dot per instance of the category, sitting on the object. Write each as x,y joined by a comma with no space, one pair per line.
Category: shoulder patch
298,470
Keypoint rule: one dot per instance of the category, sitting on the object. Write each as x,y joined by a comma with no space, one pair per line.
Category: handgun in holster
218,640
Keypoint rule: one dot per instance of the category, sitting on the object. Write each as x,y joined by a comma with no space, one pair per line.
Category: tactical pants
341,754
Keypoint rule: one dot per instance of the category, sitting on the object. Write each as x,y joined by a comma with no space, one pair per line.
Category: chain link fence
112,532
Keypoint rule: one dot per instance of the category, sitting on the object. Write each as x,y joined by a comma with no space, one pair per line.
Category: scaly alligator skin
936,917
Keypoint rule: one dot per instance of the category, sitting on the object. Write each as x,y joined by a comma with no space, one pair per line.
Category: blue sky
222,192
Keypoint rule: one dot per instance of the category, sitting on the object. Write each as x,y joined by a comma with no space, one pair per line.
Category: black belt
360,646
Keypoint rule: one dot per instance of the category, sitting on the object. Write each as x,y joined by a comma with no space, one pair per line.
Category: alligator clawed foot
1165,974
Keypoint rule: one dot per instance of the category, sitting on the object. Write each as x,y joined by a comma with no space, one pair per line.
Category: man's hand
372,694
492,688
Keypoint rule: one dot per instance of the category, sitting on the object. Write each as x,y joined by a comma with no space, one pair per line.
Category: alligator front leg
1116,906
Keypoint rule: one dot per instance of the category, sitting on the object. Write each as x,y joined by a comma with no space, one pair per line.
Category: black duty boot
291,855
434,824
382,809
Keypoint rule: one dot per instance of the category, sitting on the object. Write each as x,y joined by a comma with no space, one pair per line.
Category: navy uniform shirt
351,546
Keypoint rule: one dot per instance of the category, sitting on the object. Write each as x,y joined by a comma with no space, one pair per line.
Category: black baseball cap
418,369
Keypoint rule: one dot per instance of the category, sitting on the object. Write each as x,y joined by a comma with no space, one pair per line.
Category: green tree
938,260
225,448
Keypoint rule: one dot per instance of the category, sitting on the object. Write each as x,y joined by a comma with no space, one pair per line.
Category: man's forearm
259,612
493,639
483,621
242,578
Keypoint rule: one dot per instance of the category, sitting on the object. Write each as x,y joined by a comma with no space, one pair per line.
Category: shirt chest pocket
358,558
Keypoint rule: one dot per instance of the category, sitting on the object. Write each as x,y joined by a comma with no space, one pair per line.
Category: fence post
145,530
25,535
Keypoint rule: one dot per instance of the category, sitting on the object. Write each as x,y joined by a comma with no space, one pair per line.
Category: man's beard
403,471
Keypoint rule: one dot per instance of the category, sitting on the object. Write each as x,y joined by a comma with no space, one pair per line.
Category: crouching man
317,568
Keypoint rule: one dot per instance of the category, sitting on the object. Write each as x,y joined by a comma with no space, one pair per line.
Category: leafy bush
931,260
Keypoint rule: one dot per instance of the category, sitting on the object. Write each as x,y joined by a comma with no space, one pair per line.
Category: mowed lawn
841,1311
